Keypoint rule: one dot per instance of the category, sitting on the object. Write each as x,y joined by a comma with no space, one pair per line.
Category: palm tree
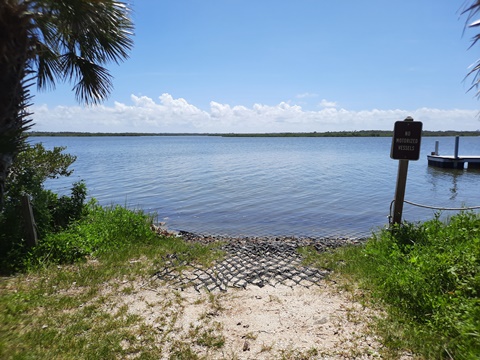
44,41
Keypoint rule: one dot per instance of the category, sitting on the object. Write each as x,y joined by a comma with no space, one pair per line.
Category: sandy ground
321,322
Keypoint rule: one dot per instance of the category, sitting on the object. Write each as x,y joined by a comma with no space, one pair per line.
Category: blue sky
264,65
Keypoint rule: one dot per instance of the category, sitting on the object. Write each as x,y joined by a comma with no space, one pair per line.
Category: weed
128,290
183,351
292,354
266,348
274,298
214,301
208,337
250,336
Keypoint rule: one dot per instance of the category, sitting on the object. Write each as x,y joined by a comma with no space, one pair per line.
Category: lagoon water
265,186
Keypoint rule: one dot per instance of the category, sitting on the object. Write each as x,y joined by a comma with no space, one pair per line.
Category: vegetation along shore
361,133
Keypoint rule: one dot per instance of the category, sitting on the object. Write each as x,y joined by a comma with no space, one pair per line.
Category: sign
407,136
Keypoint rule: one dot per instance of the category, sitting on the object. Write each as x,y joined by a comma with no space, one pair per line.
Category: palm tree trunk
14,26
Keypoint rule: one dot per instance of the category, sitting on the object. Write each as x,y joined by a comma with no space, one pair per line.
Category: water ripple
254,186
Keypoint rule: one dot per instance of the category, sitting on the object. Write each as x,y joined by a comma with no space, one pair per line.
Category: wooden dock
452,162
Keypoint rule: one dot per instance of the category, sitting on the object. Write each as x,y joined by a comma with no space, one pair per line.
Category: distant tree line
361,133
92,134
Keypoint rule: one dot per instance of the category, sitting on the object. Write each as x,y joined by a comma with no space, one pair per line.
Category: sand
281,322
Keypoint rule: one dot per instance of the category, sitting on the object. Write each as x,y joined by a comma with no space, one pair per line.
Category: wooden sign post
30,230
407,136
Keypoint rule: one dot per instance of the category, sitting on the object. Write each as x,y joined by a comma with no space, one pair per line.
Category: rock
321,321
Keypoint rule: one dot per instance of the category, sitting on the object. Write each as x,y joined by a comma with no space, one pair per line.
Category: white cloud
168,114
327,104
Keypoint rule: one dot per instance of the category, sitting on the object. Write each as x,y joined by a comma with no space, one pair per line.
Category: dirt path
260,302
280,322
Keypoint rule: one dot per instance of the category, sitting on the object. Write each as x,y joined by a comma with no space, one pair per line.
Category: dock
453,161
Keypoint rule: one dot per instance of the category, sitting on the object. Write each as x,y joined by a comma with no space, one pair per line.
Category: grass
112,233
55,315
58,314
427,276
59,307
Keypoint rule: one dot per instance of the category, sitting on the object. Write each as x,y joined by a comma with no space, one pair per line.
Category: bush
31,169
427,276
430,272
101,231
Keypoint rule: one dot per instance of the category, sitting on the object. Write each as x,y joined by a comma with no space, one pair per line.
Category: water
265,186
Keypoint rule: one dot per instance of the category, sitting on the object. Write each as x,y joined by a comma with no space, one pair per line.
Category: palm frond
93,83
472,12
77,38
48,66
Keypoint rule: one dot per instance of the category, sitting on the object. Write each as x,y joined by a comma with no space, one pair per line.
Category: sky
222,66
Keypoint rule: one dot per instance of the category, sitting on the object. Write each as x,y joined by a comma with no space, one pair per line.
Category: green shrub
32,167
428,277
102,230
430,272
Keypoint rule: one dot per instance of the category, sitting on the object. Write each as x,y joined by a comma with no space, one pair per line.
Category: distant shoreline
361,133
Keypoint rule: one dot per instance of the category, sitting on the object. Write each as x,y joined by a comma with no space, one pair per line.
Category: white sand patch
321,322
